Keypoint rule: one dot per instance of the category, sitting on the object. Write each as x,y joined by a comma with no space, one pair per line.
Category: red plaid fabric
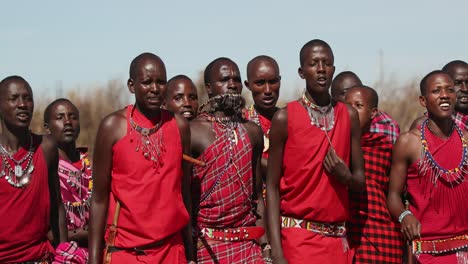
227,183
231,253
70,253
461,120
384,123
372,232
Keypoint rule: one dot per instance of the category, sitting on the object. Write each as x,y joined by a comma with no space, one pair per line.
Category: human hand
336,166
410,227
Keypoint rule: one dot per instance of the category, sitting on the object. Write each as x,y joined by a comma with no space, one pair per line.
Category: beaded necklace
17,176
224,125
76,179
150,142
254,117
322,117
428,163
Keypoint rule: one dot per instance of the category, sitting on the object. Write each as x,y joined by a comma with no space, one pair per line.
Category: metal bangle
405,213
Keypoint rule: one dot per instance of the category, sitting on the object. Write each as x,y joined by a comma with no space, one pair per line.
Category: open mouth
322,81
268,101
445,106
463,99
187,114
23,116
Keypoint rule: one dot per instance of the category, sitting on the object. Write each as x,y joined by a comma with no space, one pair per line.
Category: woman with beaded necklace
29,189
62,122
431,161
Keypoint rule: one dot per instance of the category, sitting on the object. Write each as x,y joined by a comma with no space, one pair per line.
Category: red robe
373,234
151,201
308,192
25,212
440,207
225,188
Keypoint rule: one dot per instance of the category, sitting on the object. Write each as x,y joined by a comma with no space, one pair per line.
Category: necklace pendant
266,143
236,140
18,171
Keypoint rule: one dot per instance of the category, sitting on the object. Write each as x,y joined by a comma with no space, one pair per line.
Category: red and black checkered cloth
373,234
228,178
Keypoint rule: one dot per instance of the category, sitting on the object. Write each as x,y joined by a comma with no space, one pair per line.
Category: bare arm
110,130
405,152
256,136
186,185
354,178
278,137
58,220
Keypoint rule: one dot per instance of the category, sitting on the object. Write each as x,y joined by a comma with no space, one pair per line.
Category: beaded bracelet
268,260
405,213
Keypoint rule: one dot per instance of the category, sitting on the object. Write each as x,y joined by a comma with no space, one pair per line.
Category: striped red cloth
70,253
372,232
226,186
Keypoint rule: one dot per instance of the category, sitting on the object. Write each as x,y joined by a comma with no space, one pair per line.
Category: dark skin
459,74
181,98
360,100
439,100
317,70
63,127
150,79
264,81
342,83
16,108
225,78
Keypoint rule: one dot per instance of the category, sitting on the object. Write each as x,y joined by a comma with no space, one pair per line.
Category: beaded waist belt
440,245
233,234
324,229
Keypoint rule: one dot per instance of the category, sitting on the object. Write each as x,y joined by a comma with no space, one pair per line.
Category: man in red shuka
29,187
314,140
138,164
228,205
430,161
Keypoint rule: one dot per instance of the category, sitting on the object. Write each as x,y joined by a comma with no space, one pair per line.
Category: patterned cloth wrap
226,186
70,253
384,123
373,233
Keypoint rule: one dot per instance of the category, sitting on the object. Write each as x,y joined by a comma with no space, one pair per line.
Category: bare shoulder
113,126
408,144
253,128
417,122
281,116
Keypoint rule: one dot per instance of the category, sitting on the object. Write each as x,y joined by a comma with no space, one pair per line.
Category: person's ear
208,89
301,72
47,128
130,85
246,83
374,112
422,101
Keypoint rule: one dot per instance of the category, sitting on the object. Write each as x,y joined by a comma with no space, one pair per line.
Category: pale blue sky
81,43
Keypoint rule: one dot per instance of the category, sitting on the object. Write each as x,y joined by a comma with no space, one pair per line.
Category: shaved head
453,66
311,44
262,59
342,82
372,98
13,78
136,63
424,82
209,67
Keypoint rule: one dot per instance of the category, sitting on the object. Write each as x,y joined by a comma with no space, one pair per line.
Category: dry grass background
400,100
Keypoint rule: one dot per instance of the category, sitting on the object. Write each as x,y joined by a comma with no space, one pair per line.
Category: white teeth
444,105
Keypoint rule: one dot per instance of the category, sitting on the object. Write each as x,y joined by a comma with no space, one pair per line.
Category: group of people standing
326,179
